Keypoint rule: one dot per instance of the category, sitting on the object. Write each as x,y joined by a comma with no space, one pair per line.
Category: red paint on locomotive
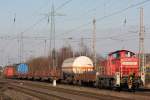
122,61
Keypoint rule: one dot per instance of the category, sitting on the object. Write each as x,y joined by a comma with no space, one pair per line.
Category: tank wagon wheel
80,83
75,82
96,84
31,78
39,79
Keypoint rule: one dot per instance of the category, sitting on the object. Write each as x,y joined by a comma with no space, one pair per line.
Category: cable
107,16
87,12
62,5
33,25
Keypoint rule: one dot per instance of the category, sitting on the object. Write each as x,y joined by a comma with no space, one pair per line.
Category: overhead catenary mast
52,40
81,47
141,47
20,43
52,36
52,45
45,43
21,48
94,42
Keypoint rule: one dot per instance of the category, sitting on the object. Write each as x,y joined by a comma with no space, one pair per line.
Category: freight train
119,70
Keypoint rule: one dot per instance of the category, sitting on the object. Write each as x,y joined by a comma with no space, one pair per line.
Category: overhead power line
109,15
62,5
45,17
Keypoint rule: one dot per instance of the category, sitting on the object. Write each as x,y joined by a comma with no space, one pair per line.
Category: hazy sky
117,25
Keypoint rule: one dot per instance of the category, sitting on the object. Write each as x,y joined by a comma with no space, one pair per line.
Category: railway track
35,92
32,92
74,92
57,92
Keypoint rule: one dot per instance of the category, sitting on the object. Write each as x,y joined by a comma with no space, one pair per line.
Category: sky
117,26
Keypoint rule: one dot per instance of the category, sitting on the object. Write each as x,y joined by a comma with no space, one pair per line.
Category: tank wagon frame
72,67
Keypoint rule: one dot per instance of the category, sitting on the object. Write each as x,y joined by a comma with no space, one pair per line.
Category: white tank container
77,65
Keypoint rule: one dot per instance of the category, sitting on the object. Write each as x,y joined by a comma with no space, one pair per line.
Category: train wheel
80,83
95,84
75,82
100,84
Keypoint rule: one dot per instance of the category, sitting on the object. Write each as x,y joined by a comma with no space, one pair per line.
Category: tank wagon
72,67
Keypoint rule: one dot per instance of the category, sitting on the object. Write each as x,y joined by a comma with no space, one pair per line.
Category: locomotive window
116,55
129,54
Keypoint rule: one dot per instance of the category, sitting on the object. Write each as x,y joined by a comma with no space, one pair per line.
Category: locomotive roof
120,51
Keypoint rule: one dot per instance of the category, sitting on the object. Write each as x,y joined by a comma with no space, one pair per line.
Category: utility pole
94,42
20,48
81,47
52,47
52,35
45,47
141,47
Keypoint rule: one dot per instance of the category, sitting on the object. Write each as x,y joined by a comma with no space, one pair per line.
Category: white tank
77,65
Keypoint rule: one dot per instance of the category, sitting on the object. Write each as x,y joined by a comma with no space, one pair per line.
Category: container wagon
42,71
22,70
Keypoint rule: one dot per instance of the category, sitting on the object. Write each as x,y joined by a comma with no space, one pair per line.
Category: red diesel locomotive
121,69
